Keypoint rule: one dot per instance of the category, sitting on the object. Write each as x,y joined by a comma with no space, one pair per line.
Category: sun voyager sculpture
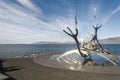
85,52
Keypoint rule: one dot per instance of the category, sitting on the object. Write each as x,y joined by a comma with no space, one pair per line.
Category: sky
29,21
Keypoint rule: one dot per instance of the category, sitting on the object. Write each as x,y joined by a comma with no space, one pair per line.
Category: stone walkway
3,77
26,69
46,61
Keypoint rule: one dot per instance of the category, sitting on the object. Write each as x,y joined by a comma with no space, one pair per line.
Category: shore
26,69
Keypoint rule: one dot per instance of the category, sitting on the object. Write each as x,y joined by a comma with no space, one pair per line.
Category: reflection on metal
91,45
109,57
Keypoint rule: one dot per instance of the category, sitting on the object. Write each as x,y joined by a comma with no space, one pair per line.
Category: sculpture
90,46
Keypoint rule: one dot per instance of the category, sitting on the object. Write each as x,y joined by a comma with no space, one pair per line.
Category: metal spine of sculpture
96,27
74,36
95,38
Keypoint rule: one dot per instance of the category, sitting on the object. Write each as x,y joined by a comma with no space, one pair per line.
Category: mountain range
113,40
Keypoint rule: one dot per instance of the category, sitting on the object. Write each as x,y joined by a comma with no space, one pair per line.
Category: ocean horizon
13,50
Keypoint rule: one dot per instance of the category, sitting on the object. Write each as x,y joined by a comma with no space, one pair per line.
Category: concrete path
3,77
46,61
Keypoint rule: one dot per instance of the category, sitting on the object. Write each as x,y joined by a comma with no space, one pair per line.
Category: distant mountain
113,40
45,42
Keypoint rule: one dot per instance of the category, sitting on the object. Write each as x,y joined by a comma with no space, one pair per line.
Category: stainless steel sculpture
91,45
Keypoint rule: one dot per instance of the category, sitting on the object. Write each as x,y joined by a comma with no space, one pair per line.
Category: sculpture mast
94,14
76,20
96,27
74,36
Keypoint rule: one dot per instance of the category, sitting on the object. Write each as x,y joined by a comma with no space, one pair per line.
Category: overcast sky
29,21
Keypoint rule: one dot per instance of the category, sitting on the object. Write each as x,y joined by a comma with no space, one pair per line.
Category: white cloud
18,25
28,4
105,20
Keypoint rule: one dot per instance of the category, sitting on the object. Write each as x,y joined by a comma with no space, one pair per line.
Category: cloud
28,4
106,19
20,25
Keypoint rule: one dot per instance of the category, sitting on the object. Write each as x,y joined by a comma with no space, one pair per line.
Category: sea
13,50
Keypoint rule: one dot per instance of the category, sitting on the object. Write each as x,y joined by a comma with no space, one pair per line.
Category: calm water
10,50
